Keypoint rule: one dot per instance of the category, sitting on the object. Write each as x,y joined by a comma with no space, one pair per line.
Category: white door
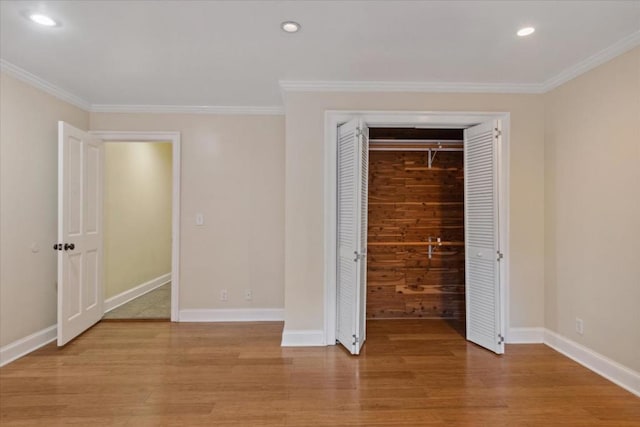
482,257
353,161
80,188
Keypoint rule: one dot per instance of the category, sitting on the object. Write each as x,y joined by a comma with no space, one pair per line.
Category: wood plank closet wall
408,202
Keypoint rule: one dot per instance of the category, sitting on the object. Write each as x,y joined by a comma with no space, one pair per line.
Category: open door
482,257
353,162
80,190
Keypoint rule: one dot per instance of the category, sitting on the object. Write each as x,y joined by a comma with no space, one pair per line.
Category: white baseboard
232,315
302,338
601,365
133,293
26,345
525,336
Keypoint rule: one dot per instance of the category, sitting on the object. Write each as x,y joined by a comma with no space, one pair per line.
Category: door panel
361,316
93,192
73,185
352,236
80,191
91,278
482,254
71,286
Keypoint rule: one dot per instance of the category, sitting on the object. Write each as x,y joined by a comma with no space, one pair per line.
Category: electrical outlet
579,326
248,295
224,295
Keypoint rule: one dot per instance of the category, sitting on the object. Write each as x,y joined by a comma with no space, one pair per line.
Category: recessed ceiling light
41,19
527,31
290,27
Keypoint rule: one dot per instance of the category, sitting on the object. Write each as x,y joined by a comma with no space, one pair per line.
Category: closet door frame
428,119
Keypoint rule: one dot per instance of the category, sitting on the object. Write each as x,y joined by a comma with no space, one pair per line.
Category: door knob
69,246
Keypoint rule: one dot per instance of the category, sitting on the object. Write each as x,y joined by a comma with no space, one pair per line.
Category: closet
415,243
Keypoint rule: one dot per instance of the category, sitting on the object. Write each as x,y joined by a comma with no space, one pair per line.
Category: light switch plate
199,219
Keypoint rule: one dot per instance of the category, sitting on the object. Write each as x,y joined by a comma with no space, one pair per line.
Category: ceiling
234,53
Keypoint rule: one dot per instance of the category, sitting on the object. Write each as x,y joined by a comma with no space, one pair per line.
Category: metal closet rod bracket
431,157
431,248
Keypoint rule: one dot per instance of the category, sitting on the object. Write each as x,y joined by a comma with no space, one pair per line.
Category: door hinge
500,255
500,339
358,256
359,132
355,339
498,132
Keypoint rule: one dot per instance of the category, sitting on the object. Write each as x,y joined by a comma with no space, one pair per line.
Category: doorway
486,136
137,230
81,299
170,285
415,227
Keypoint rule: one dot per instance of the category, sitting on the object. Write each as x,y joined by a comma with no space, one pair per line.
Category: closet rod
405,141
434,243
387,148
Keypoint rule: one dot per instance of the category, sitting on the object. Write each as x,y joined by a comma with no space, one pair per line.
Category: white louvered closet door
353,159
361,315
484,324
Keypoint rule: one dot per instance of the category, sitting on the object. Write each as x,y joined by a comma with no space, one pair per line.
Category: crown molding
393,86
64,95
272,110
42,84
599,58
618,48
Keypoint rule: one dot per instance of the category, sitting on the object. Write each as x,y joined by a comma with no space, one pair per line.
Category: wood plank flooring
412,372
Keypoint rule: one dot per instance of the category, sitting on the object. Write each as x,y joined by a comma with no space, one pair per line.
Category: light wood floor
411,373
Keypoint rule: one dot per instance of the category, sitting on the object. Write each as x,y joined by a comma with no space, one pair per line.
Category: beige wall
233,172
29,203
304,232
137,214
592,209
574,202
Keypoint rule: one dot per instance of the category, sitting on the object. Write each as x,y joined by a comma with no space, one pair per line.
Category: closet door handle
69,246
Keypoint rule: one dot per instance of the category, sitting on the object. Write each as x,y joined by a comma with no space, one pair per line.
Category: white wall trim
303,338
436,119
618,48
232,315
525,335
268,110
399,86
601,365
42,84
174,139
26,345
135,292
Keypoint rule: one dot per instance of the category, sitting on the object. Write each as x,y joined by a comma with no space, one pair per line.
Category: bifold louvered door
482,257
353,160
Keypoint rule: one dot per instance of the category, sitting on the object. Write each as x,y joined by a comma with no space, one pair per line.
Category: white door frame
431,119
174,139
